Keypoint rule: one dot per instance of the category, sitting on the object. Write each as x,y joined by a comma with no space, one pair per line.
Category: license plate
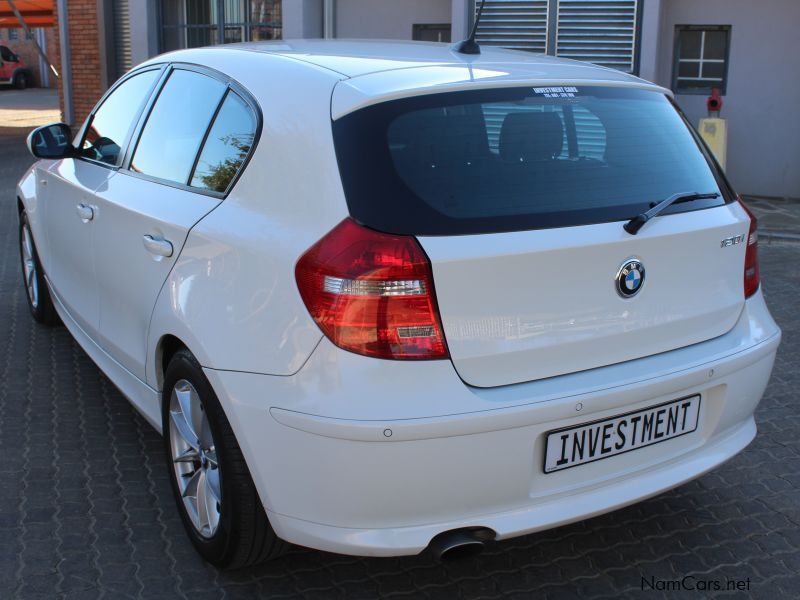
589,442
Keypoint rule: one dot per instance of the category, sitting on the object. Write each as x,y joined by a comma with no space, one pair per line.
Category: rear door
519,197
192,143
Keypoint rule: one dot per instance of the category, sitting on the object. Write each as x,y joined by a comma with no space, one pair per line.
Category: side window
227,146
113,121
175,127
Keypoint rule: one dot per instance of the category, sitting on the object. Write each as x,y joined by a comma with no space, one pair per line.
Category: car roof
355,58
372,71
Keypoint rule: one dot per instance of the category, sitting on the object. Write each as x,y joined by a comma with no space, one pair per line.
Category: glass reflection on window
113,121
227,146
175,128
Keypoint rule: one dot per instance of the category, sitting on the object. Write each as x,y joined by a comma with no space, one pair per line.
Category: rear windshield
514,159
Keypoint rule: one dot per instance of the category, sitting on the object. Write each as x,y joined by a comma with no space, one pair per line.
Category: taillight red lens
372,293
752,278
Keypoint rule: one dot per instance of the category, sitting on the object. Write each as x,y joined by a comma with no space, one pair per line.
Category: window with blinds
600,31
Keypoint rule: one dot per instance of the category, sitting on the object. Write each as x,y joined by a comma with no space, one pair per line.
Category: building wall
86,68
650,39
302,19
462,20
144,30
27,51
763,144
388,19
763,87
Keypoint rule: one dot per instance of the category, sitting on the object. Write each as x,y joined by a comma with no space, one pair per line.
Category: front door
71,213
68,259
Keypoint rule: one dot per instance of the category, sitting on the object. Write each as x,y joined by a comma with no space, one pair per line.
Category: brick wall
19,44
84,41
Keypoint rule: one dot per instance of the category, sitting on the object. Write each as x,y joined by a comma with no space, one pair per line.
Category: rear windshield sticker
556,92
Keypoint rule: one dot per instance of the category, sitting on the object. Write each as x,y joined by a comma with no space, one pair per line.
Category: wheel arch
22,72
168,345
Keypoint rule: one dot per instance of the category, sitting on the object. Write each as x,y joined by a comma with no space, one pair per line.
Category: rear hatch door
519,196
526,305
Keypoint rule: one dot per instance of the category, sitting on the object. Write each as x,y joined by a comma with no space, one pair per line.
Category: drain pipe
329,19
66,65
44,66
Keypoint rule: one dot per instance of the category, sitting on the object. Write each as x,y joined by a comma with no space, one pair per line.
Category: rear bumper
552,511
347,459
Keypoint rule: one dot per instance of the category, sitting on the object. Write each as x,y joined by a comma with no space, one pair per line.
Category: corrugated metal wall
518,24
598,31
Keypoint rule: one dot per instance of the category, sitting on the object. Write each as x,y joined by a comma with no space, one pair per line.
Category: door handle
85,212
157,246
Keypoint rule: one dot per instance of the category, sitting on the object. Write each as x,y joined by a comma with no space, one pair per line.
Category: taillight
372,293
752,279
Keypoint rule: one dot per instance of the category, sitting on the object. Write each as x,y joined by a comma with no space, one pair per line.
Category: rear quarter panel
232,297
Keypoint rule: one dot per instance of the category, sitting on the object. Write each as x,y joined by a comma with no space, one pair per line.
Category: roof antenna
469,45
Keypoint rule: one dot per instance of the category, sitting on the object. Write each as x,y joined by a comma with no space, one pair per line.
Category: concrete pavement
778,218
28,108
86,509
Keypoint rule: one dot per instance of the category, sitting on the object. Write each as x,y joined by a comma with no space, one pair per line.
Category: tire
21,81
238,534
37,293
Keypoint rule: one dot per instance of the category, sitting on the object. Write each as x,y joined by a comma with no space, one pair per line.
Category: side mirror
51,141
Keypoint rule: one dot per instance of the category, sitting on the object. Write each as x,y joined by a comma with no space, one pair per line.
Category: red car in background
12,70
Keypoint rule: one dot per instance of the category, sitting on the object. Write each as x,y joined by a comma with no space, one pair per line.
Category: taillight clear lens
372,293
752,278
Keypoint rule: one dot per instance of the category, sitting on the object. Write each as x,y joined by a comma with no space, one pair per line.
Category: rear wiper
635,224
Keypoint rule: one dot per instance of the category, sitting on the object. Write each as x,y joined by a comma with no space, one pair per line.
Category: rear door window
227,145
177,125
514,159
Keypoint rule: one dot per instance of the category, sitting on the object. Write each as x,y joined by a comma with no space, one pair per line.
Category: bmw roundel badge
630,278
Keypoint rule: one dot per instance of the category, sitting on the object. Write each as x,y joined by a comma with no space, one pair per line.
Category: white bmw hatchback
386,296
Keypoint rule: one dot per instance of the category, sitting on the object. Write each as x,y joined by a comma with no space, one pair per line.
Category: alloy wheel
29,266
194,458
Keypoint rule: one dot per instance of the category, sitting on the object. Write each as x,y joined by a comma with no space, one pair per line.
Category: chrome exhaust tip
460,543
